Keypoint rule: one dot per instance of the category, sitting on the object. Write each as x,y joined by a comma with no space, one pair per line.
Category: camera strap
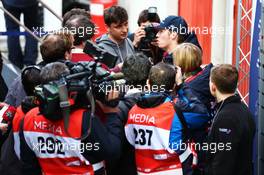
66,110
65,106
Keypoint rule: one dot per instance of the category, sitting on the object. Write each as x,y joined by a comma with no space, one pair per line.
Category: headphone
28,68
24,71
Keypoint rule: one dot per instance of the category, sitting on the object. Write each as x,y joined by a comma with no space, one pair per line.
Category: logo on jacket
142,118
225,130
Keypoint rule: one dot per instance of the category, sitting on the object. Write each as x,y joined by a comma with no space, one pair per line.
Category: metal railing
22,25
243,47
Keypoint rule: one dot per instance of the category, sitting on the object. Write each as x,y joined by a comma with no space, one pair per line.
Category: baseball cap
174,23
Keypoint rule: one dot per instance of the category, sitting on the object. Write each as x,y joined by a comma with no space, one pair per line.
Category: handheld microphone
7,113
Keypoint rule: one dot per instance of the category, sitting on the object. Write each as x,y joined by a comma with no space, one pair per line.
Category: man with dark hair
148,48
173,30
53,72
136,70
66,154
160,123
30,79
144,17
73,12
143,20
116,41
233,127
54,47
83,29
3,87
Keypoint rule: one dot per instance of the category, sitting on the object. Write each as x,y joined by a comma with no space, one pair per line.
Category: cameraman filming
49,146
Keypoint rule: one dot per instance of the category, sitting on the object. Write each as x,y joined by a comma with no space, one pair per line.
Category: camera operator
144,38
136,70
54,47
46,147
173,31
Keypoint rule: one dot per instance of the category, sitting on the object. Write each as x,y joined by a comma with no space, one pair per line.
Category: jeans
15,55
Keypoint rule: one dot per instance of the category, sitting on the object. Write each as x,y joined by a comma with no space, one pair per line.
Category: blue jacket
199,85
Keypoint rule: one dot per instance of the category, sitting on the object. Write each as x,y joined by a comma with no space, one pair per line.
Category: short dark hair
30,78
75,11
162,75
225,77
53,48
136,69
143,17
79,22
53,71
115,14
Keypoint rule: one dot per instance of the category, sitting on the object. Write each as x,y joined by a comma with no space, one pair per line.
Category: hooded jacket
120,50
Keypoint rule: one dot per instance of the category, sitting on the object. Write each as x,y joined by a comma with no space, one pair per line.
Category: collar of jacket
153,99
232,99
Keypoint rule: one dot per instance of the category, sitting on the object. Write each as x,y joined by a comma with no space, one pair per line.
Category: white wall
134,7
222,37
50,21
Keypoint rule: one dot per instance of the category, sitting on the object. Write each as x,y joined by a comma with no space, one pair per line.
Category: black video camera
150,30
84,77
98,53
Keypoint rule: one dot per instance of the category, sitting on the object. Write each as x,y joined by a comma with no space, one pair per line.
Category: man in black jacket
233,128
136,70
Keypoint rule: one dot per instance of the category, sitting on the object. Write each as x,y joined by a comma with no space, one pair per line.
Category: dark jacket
233,125
9,163
199,83
3,88
126,164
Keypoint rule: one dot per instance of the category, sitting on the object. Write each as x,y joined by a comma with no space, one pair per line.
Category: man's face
118,31
163,39
144,24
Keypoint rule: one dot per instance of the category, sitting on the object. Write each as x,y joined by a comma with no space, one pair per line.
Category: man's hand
139,34
3,127
111,96
120,65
